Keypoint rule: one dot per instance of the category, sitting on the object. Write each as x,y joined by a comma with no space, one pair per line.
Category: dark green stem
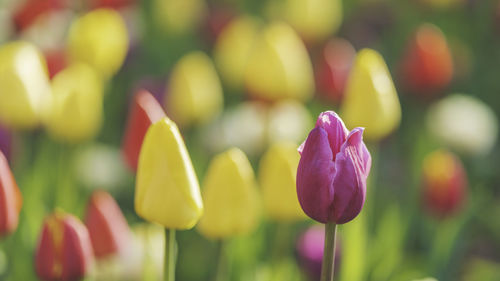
328,252
169,262
221,274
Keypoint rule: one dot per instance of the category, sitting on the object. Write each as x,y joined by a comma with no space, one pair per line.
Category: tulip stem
221,274
169,262
329,252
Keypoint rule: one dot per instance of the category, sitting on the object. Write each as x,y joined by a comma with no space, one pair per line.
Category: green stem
221,274
328,252
169,262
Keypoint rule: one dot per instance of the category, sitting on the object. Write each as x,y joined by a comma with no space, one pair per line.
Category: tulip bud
277,174
10,198
178,18
310,248
427,66
108,229
313,20
100,39
24,85
194,91
464,123
75,112
145,110
167,190
370,99
332,172
233,47
332,69
64,250
279,66
445,182
230,196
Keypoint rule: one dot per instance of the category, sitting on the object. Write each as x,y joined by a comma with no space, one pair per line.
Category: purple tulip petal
335,128
352,165
315,176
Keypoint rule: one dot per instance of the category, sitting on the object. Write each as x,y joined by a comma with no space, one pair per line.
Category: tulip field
249,140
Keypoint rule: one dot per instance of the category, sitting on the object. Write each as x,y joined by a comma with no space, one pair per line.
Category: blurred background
250,74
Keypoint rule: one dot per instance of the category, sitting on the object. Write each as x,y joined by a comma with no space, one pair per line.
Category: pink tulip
332,172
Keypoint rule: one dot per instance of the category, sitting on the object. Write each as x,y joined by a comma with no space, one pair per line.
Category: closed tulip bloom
230,196
100,39
233,47
10,198
145,110
108,229
64,250
314,20
194,91
279,66
427,66
444,183
75,111
24,85
176,17
332,69
332,171
167,190
370,99
277,174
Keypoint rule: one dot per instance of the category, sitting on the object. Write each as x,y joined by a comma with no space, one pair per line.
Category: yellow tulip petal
100,39
277,174
279,66
24,84
194,92
230,196
371,100
167,190
75,111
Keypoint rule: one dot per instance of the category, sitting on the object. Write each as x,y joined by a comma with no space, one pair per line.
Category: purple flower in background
310,247
5,142
332,172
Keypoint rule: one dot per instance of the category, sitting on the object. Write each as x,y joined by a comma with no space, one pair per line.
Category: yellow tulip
178,17
100,39
24,84
279,66
371,100
233,47
277,173
230,196
315,20
194,93
75,111
167,190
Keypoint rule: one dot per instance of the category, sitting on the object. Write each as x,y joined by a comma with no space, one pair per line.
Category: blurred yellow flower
277,174
75,110
233,47
279,66
230,196
100,39
371,100
178,17
314,20
167,190
24,84
194,93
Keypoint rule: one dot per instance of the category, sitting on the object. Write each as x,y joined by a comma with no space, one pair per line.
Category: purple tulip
332,172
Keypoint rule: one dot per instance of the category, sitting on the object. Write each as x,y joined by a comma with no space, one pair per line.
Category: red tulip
27,13
445,182
64,251
427,66
145,111
56,61
108,229
114,4
10,198
332,69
